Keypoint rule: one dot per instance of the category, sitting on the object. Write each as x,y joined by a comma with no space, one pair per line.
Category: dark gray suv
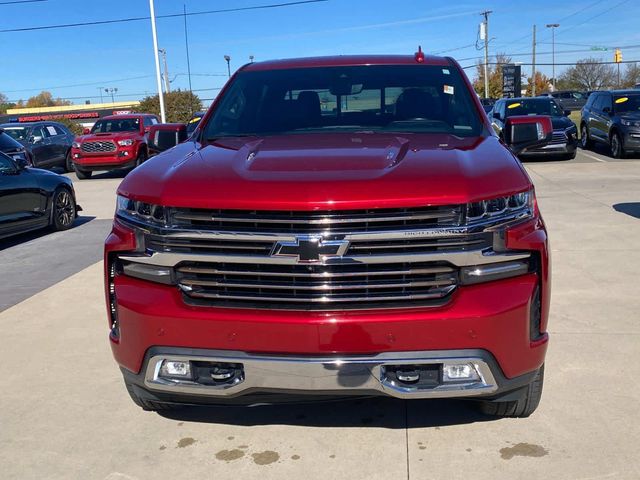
612,118
48,143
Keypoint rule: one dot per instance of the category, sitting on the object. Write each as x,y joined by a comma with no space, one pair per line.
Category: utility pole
163,116
553,27
617,57
533,65
100,90
167,87
186,44
485,14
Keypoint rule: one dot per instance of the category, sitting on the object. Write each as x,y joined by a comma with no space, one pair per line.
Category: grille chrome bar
98,146
408,271
326,287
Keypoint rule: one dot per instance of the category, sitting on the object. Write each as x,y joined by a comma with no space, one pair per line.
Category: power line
173,15
58,87
592,18
15,2
572,64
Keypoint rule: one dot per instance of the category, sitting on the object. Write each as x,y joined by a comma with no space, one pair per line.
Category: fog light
171,368
458,372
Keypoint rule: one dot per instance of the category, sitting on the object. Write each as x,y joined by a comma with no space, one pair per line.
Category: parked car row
565,133
42,144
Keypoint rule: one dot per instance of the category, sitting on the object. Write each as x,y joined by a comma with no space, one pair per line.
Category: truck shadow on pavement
632,208
378,412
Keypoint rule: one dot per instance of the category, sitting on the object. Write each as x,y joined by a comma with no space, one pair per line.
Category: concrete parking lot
64,412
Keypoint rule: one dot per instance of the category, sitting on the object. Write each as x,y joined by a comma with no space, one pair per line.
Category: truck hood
335,171
107,136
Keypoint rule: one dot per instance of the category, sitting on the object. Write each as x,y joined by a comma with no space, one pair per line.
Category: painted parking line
593,157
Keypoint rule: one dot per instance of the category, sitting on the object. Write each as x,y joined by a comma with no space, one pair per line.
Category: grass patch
575,117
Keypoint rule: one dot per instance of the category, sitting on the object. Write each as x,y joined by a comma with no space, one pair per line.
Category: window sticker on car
51,130
622,99
514,105
446,71
448,89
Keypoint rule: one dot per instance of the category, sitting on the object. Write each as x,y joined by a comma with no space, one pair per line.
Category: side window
565,95
555,95
59,130
51,131
606,102
147,121
38,133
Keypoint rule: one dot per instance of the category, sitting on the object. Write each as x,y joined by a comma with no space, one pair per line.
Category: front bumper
554,149
103,162
272,378
631,140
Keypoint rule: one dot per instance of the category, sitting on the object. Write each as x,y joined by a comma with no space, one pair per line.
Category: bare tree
588,74
631,75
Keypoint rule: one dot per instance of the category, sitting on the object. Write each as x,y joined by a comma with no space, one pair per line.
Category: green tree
179,105
45,99
494,74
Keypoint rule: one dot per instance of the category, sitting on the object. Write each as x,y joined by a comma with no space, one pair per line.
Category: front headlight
125,143
75,145
516,206
141,212
630,123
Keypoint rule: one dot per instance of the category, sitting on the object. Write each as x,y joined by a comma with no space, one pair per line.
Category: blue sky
74,62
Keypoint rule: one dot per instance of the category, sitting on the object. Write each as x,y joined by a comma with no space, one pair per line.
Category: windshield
117,125
7,143
626,103
394,98
17,133
534,107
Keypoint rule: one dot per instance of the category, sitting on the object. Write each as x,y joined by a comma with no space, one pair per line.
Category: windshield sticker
514,105
448,89
194,120
446,71
622,99
51,130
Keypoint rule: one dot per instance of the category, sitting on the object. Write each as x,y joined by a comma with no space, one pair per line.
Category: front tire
83,174
617,147
64,210
585,141
68,163
523,406
142,157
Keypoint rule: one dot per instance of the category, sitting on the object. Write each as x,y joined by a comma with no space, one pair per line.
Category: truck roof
346,61
128,115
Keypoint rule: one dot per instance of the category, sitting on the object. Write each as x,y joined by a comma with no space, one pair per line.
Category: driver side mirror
35,139
21,163
86,131
524,132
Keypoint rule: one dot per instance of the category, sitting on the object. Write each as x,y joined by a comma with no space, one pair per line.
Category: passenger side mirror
164,136
524,132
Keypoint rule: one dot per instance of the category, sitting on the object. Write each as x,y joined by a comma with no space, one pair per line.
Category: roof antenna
419,55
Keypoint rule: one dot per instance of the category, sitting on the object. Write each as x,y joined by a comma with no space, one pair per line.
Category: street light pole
167,87
157,59
553,27
485,14
228,59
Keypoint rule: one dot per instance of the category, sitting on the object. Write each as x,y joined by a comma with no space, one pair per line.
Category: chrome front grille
315,287
374,258
317,221
558,136
98,147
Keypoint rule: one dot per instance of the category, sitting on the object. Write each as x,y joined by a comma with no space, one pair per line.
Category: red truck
114,142
335,226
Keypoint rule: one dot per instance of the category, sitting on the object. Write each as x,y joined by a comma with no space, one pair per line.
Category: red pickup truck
116,141
335,226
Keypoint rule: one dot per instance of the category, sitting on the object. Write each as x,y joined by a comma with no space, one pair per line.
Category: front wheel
68,163
617,148
63,208
523,406
142,157
585,141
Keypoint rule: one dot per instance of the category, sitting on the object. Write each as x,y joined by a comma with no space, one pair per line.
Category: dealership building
85,115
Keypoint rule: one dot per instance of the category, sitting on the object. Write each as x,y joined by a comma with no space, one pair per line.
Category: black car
568,99
31,198
48,143
14,149
194,121
612,118
565,132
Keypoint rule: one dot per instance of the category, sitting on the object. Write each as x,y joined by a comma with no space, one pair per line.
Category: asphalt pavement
64,412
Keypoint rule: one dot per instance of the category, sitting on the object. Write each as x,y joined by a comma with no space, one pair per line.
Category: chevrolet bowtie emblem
310,249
